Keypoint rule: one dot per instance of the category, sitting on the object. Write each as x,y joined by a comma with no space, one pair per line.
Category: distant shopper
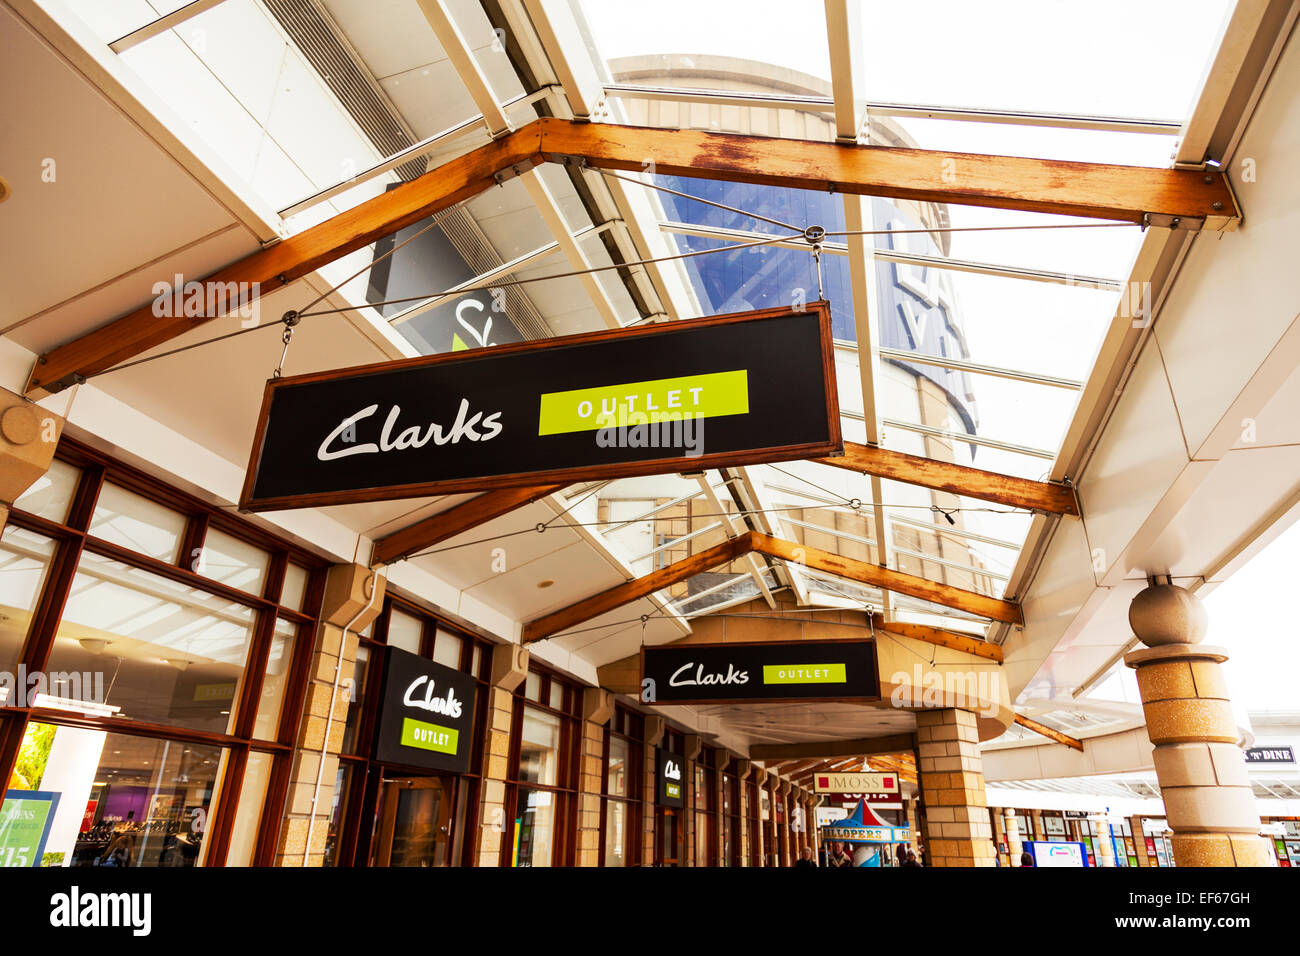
840,857
911,860
806,859
900,853
1026,858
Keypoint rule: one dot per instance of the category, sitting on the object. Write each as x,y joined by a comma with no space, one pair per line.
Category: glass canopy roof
985,338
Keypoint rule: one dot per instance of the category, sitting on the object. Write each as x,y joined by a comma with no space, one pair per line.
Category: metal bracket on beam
502,176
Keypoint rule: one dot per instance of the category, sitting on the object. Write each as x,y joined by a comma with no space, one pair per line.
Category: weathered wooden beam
636,589
456,520
1061,187
291,258
941,638
1049,733
857,747
957,479
1125,193
888,579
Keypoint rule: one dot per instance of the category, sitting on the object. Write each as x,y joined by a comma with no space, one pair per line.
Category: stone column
995,818
1139,840
349,591
1105,849
1012,826
654,734
1207,795
509,668
724,760
914,823
952,787
783,788
694,745
772,844
597,708
1036,830
28,437
742,770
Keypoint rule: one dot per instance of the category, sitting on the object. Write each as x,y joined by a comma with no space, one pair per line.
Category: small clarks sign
426,715
672,779
799,670
856,783
703,393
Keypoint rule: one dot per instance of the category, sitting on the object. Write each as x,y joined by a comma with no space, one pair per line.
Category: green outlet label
804,674
644,403
417,733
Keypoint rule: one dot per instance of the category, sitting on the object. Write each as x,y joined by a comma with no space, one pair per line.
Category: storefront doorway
413,822
670,837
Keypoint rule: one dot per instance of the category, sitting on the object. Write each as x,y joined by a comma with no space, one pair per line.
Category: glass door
413,822
670,837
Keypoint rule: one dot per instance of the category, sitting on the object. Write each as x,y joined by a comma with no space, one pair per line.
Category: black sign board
671,789
796,670
1270,755
426,716
691,395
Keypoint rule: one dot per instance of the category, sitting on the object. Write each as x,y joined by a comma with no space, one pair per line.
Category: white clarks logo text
683,678
76,909
448,706
341,442
671,770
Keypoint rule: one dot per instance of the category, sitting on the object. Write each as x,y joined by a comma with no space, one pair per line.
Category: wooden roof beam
1194,197
634,590
957,479
1030,724
888,579
456,520
941,638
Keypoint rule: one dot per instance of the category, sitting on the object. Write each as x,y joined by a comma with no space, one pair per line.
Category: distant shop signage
1076,814
427,714
768,671
860,834
1270,755
691,395
671,789
878,789
25,820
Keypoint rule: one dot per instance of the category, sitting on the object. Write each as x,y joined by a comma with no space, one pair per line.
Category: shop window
24,561
152,649
275,679
122,801
404,631
535,816
533,687
252,796
539,748
342,786
124,518
50,496
557,696
234,562
476,664
615,833
446,649
294,591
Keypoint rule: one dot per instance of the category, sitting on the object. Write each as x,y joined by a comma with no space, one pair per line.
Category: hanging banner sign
426,716
768,671
878,789
682,396
671,790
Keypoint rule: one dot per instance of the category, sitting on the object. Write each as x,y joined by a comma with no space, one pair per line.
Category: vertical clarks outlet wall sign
702,393
798,670
427,714
672,779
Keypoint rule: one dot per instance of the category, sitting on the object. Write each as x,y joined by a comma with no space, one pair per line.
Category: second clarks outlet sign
426,716
671,791
690,395
798,670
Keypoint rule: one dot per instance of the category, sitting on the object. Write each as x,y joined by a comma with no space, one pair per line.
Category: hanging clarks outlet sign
703,393
426,715
798,670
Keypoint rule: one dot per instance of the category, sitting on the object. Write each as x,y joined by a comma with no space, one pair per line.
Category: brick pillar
597,708
1014,846
654,734
952,788
784,840
912,807
28,436
349,591
995,820
1207,794
694,745
742,769
761,825
509,668
773,842
719,823
1139,840
1036,825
